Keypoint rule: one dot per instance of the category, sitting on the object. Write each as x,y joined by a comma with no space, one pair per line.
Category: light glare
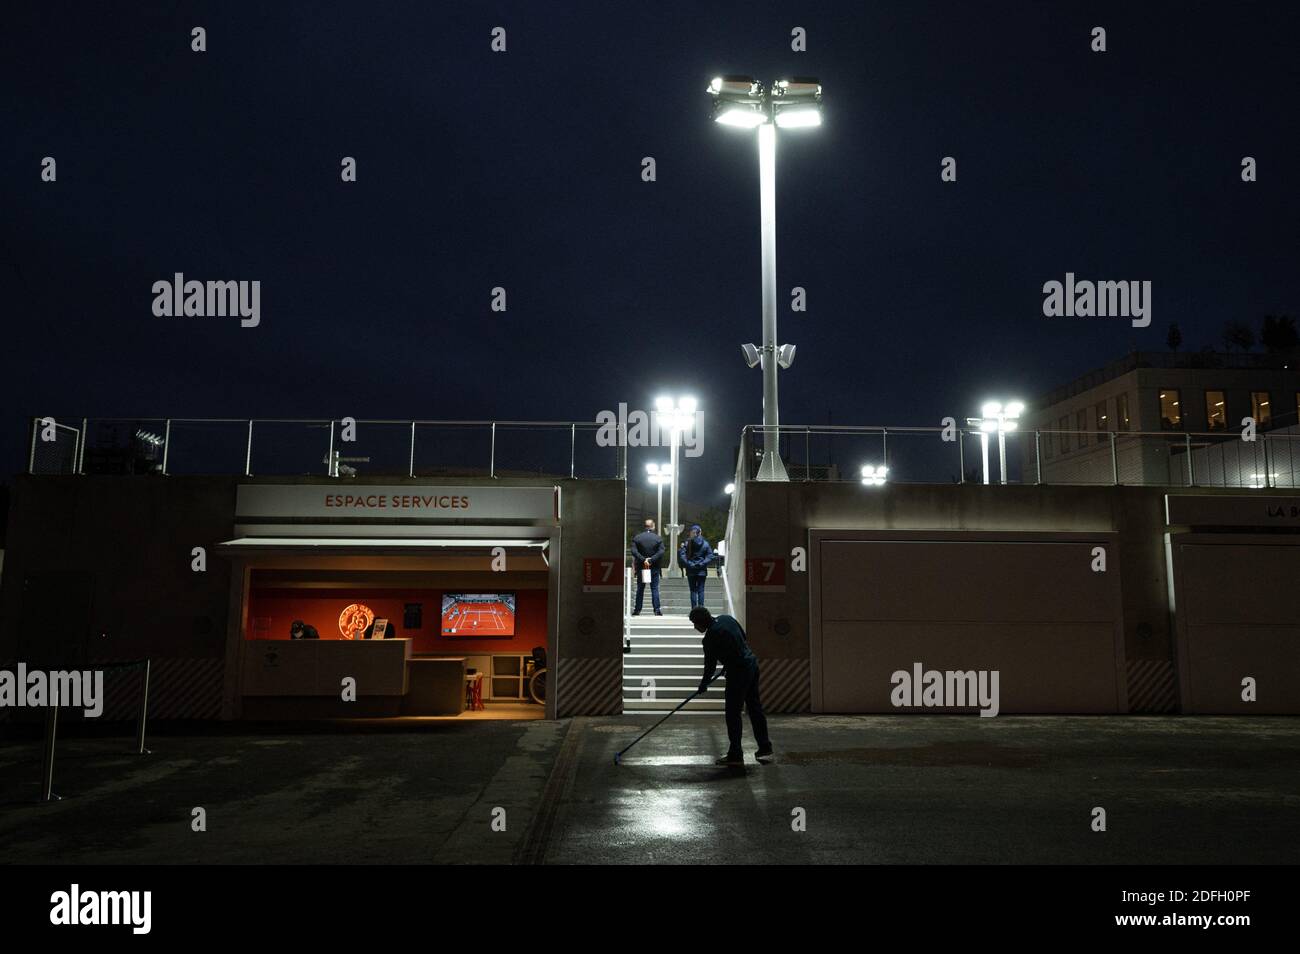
799,118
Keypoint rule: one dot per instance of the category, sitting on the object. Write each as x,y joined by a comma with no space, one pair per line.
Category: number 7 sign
765,575
602,575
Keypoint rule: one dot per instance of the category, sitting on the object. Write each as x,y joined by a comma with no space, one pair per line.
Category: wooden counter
317,667
436,686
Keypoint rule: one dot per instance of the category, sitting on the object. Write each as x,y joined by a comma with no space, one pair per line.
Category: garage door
1238,614
1030,607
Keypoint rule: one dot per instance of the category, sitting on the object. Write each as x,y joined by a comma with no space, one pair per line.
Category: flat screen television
478,615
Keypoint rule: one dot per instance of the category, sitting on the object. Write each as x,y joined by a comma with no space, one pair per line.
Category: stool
474,691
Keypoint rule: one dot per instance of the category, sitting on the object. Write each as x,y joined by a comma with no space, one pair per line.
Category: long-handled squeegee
619,755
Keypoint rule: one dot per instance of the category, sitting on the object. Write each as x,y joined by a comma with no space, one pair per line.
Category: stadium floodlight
679,415
874,475
743,102
797,103
799,118
997,418
739,114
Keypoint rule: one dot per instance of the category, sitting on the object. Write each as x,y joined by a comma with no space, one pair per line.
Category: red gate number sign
601,575
765,573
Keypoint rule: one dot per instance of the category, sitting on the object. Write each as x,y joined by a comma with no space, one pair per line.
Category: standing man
697,555
647,551
724,642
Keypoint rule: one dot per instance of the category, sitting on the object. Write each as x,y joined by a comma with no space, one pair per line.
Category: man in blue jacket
695,556
647,552
724,642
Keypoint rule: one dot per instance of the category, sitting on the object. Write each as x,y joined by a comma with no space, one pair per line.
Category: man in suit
647,552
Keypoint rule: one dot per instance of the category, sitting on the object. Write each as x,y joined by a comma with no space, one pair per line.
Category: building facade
1169,418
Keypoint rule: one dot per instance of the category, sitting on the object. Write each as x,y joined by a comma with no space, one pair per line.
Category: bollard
47,754
144,713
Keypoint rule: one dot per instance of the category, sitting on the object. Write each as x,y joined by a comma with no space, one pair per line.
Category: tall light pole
744,102
660,474
998,419
680,417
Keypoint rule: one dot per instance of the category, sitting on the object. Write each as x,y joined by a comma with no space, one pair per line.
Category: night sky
523,170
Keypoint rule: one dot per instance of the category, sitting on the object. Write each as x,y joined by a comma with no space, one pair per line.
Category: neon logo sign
355,620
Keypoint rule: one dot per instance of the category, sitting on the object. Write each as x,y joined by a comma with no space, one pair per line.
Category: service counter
304,678
435,686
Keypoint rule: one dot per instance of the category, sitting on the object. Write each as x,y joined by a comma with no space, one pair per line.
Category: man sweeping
724,642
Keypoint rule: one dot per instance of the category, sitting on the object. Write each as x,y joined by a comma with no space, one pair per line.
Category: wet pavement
895,789
920,790
410,793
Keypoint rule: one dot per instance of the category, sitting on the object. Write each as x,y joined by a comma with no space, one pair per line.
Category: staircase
667,649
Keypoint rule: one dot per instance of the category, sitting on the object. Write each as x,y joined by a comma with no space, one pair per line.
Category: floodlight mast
772,468
743,102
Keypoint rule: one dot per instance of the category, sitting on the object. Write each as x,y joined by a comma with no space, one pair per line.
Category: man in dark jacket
724,642
647,552
695,557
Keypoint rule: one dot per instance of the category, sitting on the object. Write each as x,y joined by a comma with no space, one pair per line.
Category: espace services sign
403,502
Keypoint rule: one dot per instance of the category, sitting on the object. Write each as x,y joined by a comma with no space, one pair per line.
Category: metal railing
50,743
334,448
956,455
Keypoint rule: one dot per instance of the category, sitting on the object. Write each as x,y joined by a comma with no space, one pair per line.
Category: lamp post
743,102
679,415
874,475
997,418
660,474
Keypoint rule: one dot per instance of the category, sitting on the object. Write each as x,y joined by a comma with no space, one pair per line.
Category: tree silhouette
1278,334
1237,333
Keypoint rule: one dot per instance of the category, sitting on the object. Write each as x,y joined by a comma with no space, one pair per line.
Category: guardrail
413,448
335,448
956,455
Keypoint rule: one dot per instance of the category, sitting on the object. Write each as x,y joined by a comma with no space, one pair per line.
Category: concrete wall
779,516
590,624
98,568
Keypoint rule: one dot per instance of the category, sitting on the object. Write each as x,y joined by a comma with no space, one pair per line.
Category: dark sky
523,170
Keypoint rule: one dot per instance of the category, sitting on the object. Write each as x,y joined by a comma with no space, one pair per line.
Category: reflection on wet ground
934,789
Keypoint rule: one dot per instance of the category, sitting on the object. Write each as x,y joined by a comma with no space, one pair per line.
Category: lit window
1260,408
1171,410
1216,410
1121,412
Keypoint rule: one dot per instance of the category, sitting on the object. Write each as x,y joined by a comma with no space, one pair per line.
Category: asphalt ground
844,789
